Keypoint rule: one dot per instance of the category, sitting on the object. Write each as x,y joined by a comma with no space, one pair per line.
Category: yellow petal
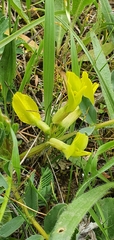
77,146
90,87
80,141
27,111
25,108
75,91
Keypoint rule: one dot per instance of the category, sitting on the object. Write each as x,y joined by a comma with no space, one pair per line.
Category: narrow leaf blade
49,57
105,73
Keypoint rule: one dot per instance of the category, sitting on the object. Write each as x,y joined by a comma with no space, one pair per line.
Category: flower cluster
28,112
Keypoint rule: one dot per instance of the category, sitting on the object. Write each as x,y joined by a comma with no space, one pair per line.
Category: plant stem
31,218
69,184
6,198
9,12
35,150
104,124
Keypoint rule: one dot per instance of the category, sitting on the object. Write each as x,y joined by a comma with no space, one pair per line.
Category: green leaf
45,188
2,133
74,57
52,216
94,172
49,57
106,47
16,4
5,199
88,111
105,79
112,79
104,147
3,182
3,27
108,15
29,67
79,5
15,155
59,30
31,197
11,226
107,207
35,237
21,31
87,130
71,217
7,68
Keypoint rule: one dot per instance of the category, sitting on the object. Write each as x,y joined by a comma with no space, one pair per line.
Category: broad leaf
35,237
88,111
107,207
52,217
31,197
11,226
71,217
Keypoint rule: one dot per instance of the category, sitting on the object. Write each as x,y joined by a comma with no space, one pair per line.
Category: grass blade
7,69
105,81
74,57
108,14
15,155
29,67
21,31
59,30
17,6
79,5
49,57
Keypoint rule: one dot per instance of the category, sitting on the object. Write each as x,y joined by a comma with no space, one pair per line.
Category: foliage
63,51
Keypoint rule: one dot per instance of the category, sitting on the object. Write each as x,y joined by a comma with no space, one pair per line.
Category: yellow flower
90,87
28,112
76,88
76,148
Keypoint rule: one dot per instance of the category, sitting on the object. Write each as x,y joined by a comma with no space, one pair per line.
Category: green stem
3,8
31,219
69,184
35,150
6,198
104,124
9,13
